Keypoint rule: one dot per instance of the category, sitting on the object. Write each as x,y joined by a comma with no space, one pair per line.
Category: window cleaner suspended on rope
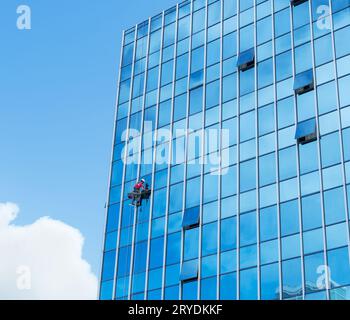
141,192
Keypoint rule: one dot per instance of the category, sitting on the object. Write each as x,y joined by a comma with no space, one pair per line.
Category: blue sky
57,97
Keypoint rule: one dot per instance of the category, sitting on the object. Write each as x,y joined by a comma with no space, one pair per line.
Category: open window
297,2
246,60
189,270
196,79
306,131
304,82
191,218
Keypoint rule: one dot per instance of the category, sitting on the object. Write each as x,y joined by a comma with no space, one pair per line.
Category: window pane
191,244
337,235
106,291
330,149
346,142
270,282
228,234
246,38
312,264
209,236
305,105
228,261
172,293
265,75
291,278
172,274
306,131
229,50
338,261
212,94
266,120
173,248
248,284
209,266
197,59
264,30
156,256
208,289
310,183
329,122
189,270
191,217
213,52
198,20
159,203
282,22
308,157
268,223
196,100
247,81
140,257
311,209
210,187
285,111
229,87
228,286
214,13
192,193
287,163
284,65
303,58
334,206
228,207
189,290
248,230
342,47
108,265
301,14
248,175
247,126
175,203
323,50
113,217
267,172
289,218
123,262
313,241
269,251
229,184
291,246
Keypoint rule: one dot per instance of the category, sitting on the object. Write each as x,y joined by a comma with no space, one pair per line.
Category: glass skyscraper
237,114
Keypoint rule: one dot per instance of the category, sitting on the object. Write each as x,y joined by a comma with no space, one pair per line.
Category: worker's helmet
143,180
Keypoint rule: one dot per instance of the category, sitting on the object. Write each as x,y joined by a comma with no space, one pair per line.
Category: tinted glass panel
189,270
305,128
191,217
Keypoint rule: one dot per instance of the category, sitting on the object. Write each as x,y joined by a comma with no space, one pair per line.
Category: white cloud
42,260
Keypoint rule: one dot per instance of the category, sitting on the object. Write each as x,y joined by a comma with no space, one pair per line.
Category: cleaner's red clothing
139,186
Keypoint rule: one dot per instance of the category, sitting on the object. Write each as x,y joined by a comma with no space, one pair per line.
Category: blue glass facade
270,218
